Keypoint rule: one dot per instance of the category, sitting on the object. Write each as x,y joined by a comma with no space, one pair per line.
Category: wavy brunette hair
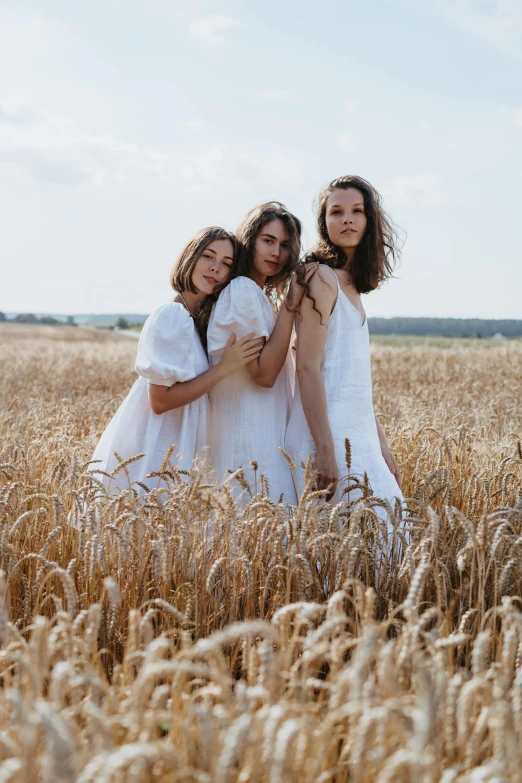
377,253
181,273
247,232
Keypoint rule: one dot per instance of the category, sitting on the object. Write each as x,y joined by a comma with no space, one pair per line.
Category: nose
276,250
347,219
218,268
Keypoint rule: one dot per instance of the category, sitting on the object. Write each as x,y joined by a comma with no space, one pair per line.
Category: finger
252,355
331,490
231,340
247,337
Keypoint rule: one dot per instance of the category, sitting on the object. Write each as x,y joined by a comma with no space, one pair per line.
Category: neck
350,255
257,277
192,301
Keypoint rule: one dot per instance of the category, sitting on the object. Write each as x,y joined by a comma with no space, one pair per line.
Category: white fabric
347,380
169,351
249,421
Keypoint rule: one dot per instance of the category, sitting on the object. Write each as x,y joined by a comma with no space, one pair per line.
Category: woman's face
345,217
214,265
271,248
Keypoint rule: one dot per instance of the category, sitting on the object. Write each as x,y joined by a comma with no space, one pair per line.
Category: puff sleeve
242,308
167,351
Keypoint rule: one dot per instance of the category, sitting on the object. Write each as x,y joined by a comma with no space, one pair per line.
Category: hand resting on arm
235,356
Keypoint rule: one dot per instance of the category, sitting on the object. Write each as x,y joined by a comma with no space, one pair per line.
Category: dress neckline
340,291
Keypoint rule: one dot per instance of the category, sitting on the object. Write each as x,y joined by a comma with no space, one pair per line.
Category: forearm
167,398
380,432
313,399
273,356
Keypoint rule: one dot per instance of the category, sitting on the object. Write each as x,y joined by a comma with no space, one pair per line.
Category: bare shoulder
324,282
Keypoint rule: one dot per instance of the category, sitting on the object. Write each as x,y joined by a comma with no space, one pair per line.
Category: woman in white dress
250,409
333,399
168,404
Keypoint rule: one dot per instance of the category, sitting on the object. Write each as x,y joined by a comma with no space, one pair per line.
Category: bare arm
266,368
311,340
235,356
388,455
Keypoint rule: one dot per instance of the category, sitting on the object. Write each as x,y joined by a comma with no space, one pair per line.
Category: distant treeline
31,318
437,327
446,327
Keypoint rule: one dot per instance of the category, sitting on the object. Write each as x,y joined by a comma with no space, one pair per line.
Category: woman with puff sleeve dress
168,404
250,410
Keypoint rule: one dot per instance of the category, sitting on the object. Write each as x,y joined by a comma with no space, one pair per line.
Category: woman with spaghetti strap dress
333,399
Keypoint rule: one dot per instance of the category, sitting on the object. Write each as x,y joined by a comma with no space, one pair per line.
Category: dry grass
175,638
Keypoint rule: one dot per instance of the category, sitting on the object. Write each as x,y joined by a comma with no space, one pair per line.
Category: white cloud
48,147
346,141
17,111
425,188
498,22
518,116
224,161
194,123
210,29
276,95
350,105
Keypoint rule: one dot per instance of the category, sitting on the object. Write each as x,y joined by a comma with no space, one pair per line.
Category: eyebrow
358,204
271,236
209,250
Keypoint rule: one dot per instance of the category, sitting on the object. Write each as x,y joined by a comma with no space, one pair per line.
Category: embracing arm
235,356
311,340
268,365
266,368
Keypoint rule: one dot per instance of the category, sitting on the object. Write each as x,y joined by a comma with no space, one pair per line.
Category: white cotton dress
169,351
249,421
347,380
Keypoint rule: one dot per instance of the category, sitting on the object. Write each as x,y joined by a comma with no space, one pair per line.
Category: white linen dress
347,380
249,421
169,351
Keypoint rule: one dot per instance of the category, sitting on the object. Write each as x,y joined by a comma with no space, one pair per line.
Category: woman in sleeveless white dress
250,409
168,404
333,399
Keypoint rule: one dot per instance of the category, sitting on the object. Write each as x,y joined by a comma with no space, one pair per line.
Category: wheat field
174,637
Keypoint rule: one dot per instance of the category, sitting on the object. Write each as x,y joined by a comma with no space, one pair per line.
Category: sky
128,125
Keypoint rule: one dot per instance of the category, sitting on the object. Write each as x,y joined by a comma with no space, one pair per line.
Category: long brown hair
246,234
181,273
378,251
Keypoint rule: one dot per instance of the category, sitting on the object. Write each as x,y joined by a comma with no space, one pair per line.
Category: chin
205,289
